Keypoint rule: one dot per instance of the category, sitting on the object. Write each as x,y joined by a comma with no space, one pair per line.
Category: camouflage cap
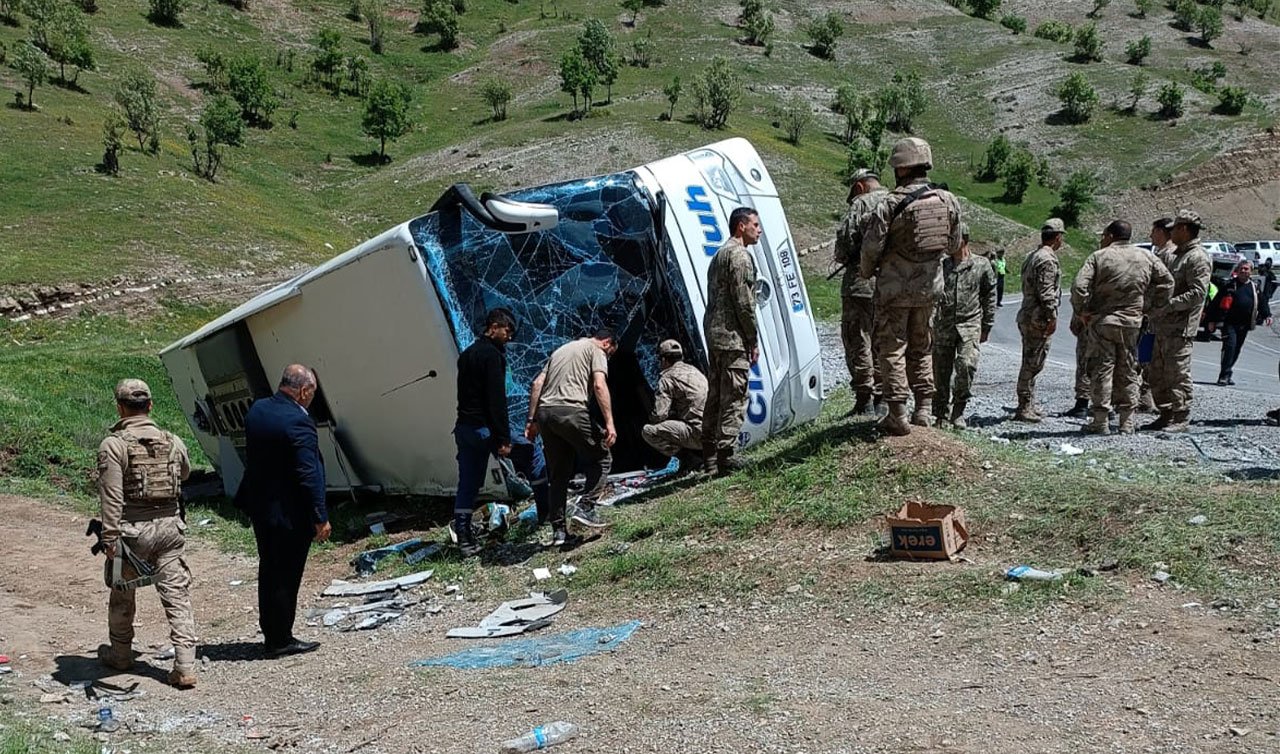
671,349
1187,217
132,390
1053,225
863,174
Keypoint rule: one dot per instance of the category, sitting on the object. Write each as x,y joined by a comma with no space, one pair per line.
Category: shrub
1170,99
577,79
1088,43
222,127
1076,196
672,92
167,12
440,17
1185,14
857,108
1209,22
249,85
1078,98
1138,50
496,94
113,129
386,113
823,35
1017,175
795,118
756,22
984,8
1098,7
1137,89
1143,7
1015,24
136,96
993,161
1232,100
1055,31
902,101
716,92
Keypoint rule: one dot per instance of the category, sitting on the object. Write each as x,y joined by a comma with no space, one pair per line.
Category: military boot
895,422
1179,421
183,675
1098,425
957,416
1027,413
709,460
1146,404
726,463
1080,410
862,403
1127,425
1161,422
116,656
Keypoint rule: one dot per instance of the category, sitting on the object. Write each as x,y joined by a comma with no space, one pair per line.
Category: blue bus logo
757,408
700,205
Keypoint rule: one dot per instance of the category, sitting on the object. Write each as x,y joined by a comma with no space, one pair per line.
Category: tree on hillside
386,113
33,66
9,12
328,58
716,92
1088,44
66,41
1185,13
250,86
1098,7
1137,51
136,96
902,101
600,50
440,17
756,22
994,159
222,127
167,12
857,109
1209,23
1017,175
984,8
358,74
1137,90
633,7
1170,99
1078,98
795,117
672,92
113,129
215,67
577,79
1076,197
375,17
1232,100
824,33
1143,7
496,93
1014,23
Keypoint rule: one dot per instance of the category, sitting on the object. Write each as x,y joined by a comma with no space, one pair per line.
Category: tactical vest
153,470
922,232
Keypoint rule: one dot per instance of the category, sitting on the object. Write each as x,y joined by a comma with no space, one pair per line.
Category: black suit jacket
283,485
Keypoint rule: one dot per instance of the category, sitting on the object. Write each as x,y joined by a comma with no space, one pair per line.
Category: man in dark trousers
483,426
283,493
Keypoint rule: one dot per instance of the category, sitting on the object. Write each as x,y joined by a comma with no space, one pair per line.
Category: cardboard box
922,531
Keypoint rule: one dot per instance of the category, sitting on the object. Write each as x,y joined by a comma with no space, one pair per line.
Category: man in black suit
283,493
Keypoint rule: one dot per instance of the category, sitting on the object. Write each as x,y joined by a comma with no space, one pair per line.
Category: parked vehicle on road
1260,251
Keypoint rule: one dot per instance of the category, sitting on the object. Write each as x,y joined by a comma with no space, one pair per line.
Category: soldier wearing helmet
139,476
675,425
907,238
857,295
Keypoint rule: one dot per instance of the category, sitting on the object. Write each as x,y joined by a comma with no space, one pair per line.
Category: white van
1259,251
383,323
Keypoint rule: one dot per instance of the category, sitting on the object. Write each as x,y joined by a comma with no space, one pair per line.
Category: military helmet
910,152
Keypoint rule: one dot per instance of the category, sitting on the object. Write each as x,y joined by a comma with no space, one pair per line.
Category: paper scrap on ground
515,617
533,652
341,588
1067,449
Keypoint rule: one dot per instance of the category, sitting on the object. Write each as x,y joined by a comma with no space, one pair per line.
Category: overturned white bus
383,323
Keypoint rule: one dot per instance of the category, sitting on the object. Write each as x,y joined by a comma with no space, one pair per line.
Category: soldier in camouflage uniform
1038,316
905,242
1176,324
1082,391
676,421
139,477
1162,247
729,326
965,315
1116,286
857,295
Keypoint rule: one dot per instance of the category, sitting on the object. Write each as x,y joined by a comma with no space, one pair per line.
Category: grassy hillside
298,194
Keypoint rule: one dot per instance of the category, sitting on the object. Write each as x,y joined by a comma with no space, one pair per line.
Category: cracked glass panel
604,265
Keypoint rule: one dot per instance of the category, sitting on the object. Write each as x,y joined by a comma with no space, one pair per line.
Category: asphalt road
1255,371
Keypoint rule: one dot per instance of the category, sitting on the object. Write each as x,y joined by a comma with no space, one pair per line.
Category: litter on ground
515,617
339,588
534,652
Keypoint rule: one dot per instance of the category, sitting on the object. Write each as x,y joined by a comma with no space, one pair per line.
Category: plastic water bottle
540,738
1027,573
106,721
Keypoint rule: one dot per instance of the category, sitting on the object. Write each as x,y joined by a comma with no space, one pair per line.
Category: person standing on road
1001,266
1038,315
729,327
965,315
140,472
675,427
1115,286
1239,307
570,406
905,242
1082,390
1176,325
857,294
482,427
1162,247
283,491
1268,279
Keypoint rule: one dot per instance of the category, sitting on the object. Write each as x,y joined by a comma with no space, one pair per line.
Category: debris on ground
1161,576
515,617
1027,573
1199,520
340,588
536,652
366,562
540,738
566,569
1067,449
923,530
541,574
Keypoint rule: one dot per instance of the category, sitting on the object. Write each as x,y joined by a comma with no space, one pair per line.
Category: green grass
21,735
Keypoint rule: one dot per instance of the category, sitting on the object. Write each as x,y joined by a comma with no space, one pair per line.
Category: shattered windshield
603,265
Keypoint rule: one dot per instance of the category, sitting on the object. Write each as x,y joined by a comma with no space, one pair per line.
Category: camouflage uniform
729,326
906,258
1041,290
1175,326
966,311
1113,289
139,472
857,295
677,410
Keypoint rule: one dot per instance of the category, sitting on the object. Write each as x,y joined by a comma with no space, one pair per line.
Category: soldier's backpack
927,220
153,472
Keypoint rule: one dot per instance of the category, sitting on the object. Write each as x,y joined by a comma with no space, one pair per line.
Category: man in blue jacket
283,491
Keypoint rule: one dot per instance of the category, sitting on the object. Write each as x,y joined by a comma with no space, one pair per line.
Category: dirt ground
817,666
